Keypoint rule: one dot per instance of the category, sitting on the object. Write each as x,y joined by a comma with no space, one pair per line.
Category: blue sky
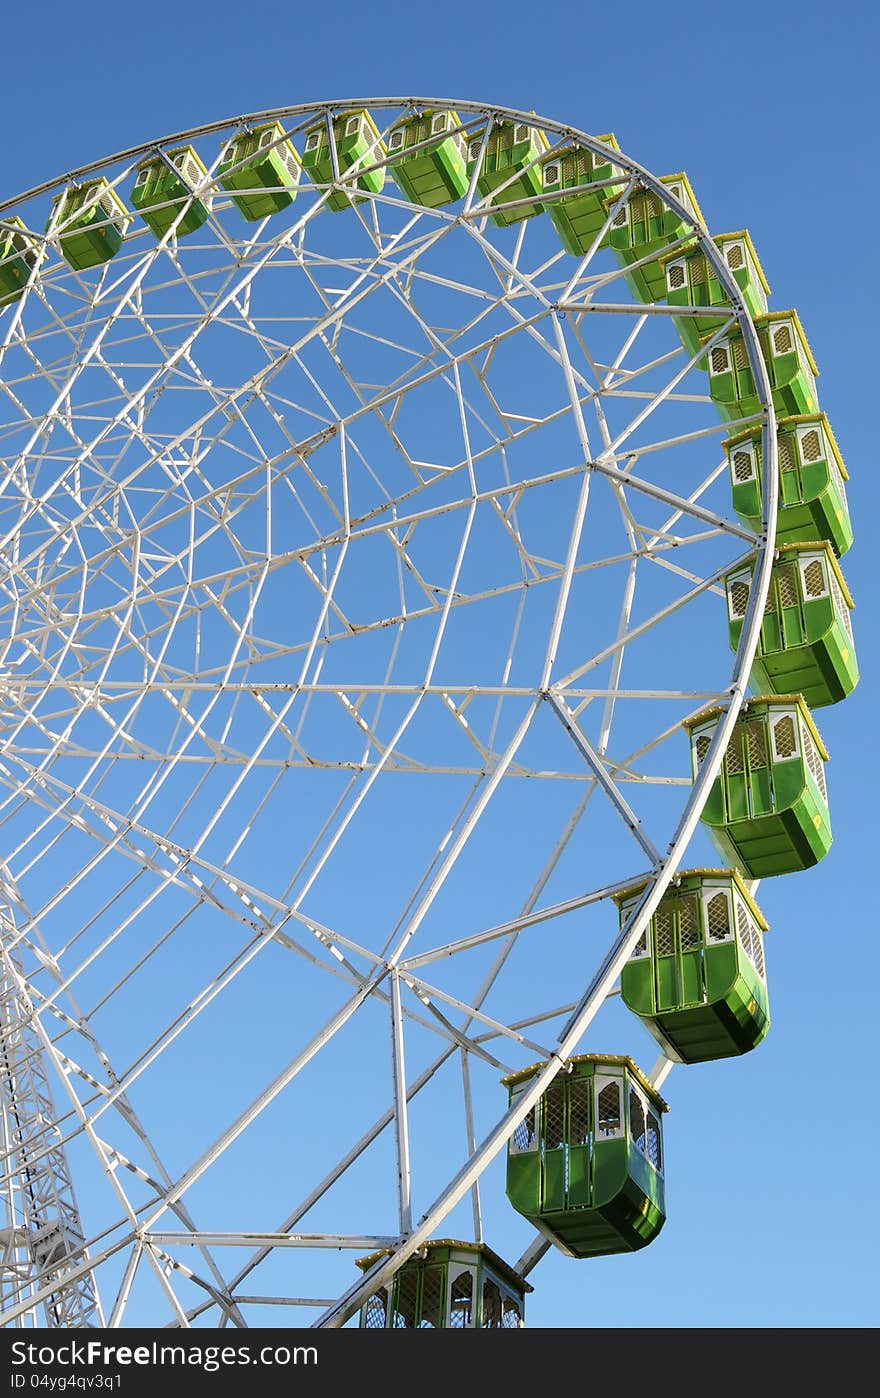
769,109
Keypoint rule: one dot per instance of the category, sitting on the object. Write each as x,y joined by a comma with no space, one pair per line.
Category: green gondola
806,644
512,153
645,227
586,1164
696,976
260,169
447,1285
90,221
691,281
357,142
18,254
790,365
767,810
437,174
812,494
579,217
163,192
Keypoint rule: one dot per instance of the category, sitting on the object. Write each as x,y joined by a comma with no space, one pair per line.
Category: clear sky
771,110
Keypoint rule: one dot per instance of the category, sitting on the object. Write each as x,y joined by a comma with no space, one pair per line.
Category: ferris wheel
399,497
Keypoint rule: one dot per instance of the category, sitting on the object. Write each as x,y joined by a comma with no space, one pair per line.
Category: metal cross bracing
339,549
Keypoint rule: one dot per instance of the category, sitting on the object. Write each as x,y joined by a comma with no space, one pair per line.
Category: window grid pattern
782,340
739,597
756,744
750,937
718,927
689,922
743,466
785,453
375,1311
785,744
677,276
734,256
664,937
740,353
433,1279
786,586
579,1112
814,762
814,579
841,608
554,1116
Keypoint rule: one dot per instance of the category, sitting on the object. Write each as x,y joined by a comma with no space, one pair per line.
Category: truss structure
359,570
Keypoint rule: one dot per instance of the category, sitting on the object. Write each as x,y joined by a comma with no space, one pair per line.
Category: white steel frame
74,466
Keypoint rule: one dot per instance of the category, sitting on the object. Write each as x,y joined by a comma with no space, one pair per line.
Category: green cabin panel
806,645
812,493
437,174
696,978
579,217
18,255
163,192
691,281
510,169
357,143
447,1285
90,221
585,1166
791,369
260,170
645,228
767,811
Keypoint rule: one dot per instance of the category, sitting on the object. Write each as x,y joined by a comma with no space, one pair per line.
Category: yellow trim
508,1273
822,545
618,1059
797,419
733,874
744,234
798,699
